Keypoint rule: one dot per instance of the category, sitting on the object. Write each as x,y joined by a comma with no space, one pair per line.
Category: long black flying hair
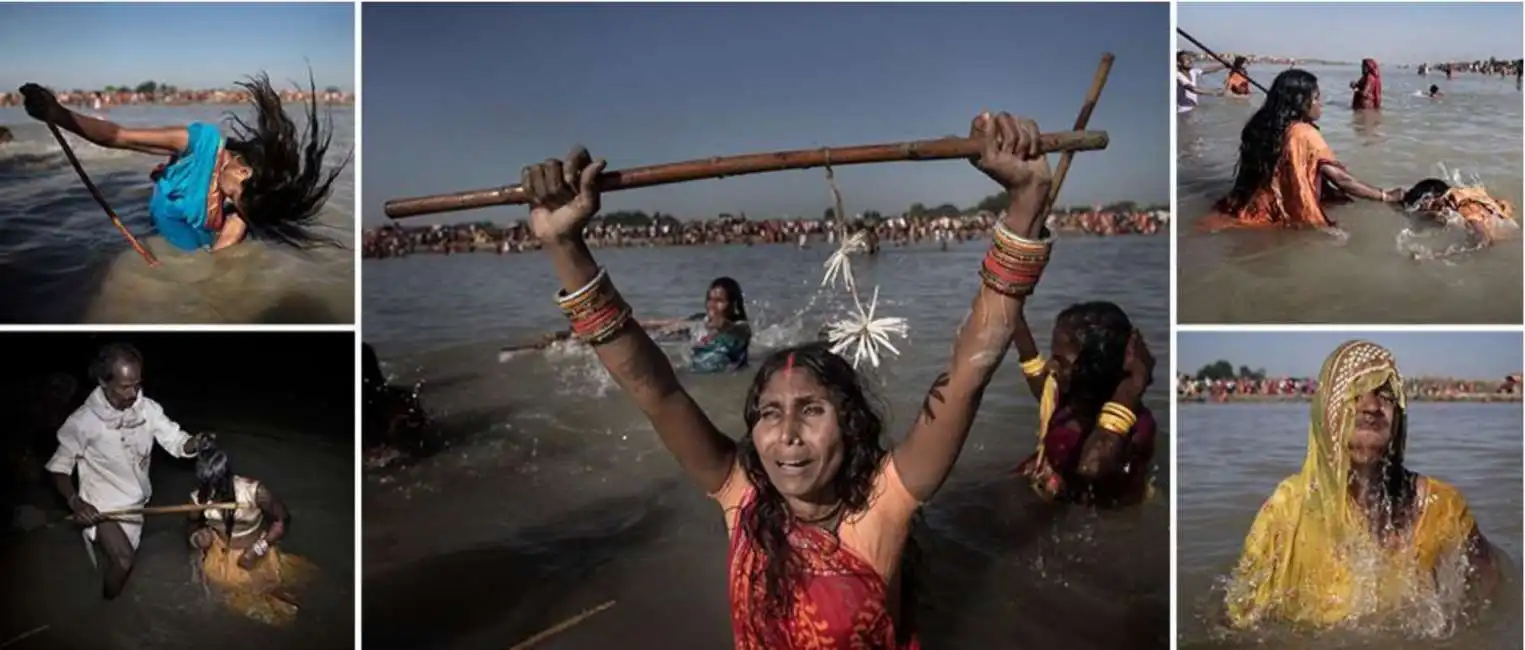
214,482
1265,135
288,185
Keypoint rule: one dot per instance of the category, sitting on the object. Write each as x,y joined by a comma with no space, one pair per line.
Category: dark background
282,405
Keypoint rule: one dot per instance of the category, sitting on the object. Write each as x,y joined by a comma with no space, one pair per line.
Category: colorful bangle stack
1014,264
1116,418
1035,366
597,311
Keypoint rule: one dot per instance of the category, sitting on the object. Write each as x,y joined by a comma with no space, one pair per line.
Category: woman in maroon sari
1368,89
818,511
1085,455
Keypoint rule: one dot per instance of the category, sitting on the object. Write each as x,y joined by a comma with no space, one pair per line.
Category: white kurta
111,450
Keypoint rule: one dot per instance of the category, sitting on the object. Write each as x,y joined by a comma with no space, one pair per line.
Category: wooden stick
1097,83
561,627
23,636
170,510
1220,59
99,198
721,167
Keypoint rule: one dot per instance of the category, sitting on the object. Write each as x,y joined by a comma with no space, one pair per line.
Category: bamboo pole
99,198
24,635
561,627
170,510
721,167
1220,59
1098,82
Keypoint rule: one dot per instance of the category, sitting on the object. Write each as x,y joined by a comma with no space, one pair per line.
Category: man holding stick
110,440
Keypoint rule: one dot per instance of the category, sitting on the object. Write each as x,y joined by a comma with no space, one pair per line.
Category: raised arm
163,141
1105,451
565,196
1010,157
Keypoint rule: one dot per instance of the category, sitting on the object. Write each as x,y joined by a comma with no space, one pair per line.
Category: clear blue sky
1479,355
1389,33
461,97
91,46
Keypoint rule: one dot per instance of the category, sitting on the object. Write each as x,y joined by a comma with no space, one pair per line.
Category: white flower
864,334
838,264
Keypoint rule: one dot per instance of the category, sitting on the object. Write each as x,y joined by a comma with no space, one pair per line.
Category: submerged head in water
276,182
1426,196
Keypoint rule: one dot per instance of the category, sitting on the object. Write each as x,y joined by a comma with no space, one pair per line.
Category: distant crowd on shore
1250,389
101,100
397,241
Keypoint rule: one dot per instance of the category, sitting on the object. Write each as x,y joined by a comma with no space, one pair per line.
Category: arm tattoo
935,392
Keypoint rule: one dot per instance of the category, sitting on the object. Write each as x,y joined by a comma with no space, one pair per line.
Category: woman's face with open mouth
797,435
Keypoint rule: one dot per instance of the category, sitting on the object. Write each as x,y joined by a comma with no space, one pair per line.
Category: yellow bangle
1035,366
1113,424
1120,412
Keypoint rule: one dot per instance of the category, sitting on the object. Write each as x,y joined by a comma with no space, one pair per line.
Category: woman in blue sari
264,181
721,335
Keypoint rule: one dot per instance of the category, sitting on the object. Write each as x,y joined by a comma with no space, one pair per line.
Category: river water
556,495
1475,447
1311,277
62,262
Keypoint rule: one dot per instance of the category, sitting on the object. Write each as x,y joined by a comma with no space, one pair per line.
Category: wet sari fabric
1296,194
846,594
1310,558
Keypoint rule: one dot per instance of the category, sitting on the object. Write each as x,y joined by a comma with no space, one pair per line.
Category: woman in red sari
818,511
1368,89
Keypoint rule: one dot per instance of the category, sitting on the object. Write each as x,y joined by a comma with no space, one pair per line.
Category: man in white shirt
110,440
1187,78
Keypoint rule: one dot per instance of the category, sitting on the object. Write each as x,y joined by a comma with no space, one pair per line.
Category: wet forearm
1351,185
1106,452
97,131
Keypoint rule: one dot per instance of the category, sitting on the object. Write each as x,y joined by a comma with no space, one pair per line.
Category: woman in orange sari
1238,83
1286,172
818,511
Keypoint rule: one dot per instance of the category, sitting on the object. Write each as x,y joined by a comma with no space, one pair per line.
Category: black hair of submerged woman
1101,331
111,355
1429,188
214,482
732,290
863,451
1264,136
288,185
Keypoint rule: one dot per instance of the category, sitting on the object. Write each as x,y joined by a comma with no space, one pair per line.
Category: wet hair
1239,62
103,368
1399,488
1429,188
769,520
1101,330
732,289
287,187
1434,89
1264,136
214,482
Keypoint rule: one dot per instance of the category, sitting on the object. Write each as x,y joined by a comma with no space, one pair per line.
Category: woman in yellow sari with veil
236,551
1355,534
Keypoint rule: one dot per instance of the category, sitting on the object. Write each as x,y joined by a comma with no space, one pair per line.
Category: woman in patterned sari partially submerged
1286,172
237,549
721,337
1486,219
1087,453
817,509
1357,535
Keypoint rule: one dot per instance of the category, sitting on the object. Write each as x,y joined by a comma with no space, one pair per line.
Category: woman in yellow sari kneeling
237,551
1356,536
